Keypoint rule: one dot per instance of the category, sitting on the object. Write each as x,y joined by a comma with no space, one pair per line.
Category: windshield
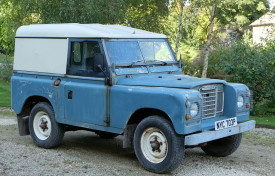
122,52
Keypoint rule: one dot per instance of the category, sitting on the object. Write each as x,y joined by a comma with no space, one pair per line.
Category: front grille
212,98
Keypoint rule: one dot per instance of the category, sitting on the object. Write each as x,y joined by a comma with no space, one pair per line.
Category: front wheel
223,147
44,130
158,148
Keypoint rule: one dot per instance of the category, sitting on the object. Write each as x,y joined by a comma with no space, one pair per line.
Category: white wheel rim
154,145
42,125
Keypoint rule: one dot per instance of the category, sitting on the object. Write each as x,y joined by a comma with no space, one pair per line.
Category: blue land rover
116,80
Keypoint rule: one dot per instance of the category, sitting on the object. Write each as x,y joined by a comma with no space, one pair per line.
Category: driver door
85,89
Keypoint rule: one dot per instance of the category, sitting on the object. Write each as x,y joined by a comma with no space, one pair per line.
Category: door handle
57,82
70,94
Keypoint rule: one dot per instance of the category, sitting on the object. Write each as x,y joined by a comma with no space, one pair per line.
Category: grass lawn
264,120
5,93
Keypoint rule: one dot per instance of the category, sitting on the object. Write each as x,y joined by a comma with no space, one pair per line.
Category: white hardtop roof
84,30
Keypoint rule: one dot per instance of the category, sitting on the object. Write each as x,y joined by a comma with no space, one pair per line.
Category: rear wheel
223,147
44,130
158,148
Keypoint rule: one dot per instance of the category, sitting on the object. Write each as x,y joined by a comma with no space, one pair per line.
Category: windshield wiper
133,63
156,62
163,63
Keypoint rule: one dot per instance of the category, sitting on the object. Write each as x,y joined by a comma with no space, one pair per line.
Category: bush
6,66
266,107
248,64
192,67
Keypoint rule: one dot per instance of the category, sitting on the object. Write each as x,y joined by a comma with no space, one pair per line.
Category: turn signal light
248,105
187,117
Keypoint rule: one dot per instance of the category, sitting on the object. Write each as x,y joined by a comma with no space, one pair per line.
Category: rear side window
76,53
82,56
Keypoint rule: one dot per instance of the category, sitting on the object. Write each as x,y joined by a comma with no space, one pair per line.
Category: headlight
240,101
194,109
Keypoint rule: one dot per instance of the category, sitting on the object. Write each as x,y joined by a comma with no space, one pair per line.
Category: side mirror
98,62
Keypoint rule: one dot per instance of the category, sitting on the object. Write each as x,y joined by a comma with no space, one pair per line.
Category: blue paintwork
87,108
157,87
28,85
88,101
166,80
125,100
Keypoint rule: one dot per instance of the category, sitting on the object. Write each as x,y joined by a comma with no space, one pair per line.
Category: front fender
125,100
231,93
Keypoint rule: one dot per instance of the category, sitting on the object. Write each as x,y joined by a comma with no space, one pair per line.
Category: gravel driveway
84,153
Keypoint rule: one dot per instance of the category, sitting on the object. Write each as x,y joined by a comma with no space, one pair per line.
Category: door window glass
82,59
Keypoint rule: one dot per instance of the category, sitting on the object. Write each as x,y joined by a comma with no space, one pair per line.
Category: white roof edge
84,30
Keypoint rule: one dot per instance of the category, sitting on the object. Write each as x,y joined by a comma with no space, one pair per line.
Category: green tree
147,14
214,16
179,28
82,11
12,15
143,14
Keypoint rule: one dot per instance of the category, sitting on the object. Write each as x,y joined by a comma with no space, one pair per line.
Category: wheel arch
23,116
30,102
136,118
142,113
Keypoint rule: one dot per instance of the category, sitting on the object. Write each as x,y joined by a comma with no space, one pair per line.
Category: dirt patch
8,122
265,126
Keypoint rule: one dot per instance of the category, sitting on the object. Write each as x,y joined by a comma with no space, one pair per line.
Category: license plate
226,123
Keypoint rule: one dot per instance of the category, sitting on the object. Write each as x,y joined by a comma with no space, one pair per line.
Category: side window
82,59
76,60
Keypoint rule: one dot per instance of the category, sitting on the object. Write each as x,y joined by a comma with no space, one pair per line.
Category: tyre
223,147
44,130
106,135
157,146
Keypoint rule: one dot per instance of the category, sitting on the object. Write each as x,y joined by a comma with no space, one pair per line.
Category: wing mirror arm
100,68
108,78
98,64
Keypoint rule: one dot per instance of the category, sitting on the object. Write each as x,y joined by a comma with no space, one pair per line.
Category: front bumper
199,138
